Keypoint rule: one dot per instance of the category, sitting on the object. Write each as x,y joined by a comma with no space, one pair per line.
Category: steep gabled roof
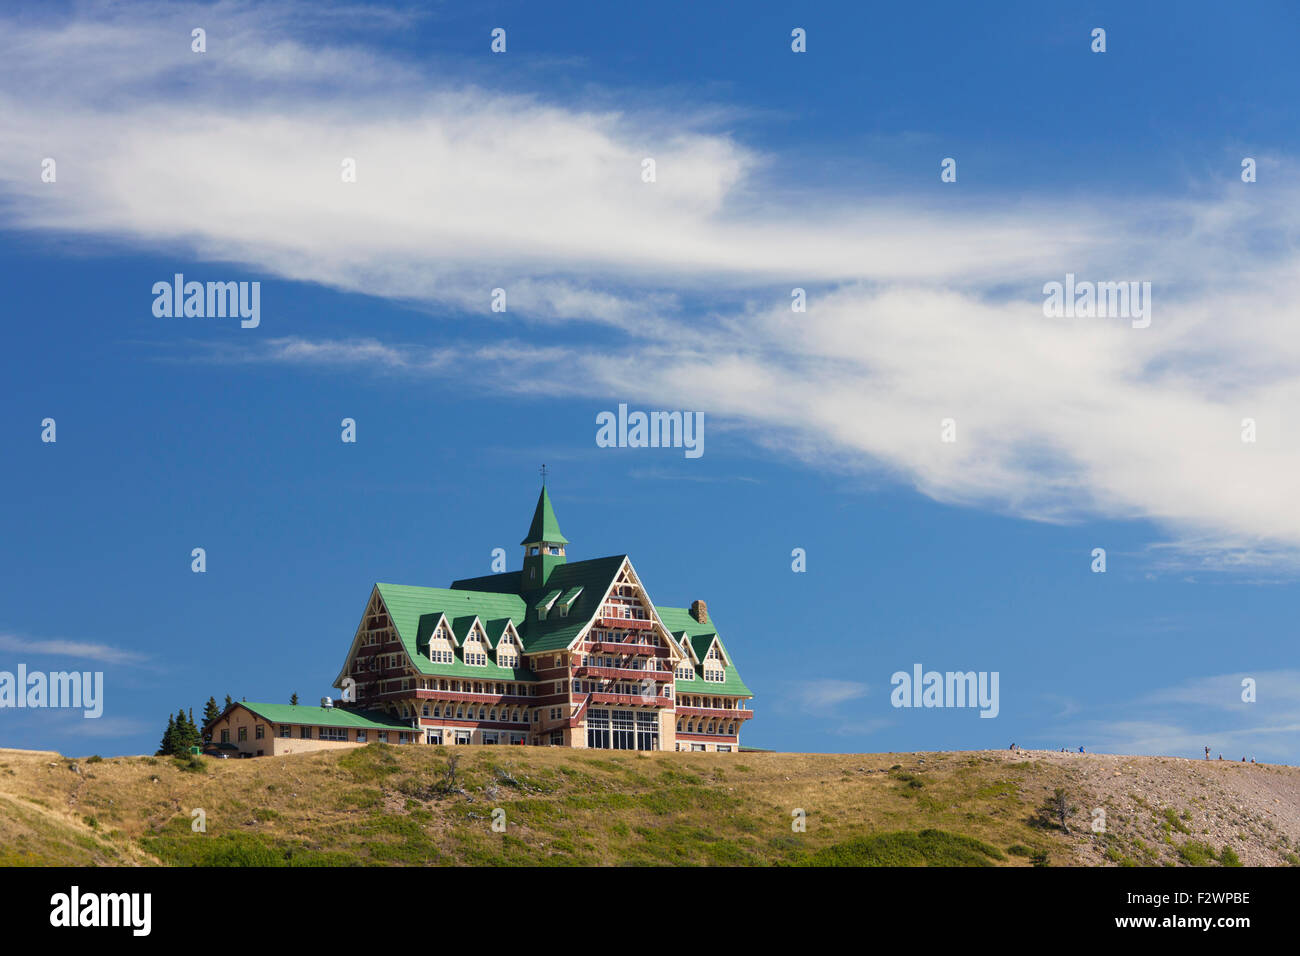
544,526
415,612
463,627
678,620
554,633
494,630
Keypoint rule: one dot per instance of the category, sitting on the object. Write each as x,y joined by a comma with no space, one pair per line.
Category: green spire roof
544,526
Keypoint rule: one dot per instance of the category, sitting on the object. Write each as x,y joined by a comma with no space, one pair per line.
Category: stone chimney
700,611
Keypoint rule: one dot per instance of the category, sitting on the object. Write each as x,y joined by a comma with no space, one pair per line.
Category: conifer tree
168,738
210,713
186,733
294,699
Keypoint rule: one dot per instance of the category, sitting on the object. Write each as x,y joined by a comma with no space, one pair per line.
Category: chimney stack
700,611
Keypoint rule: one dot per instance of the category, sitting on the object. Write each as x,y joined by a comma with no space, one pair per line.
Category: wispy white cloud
919,310
821,696
86,650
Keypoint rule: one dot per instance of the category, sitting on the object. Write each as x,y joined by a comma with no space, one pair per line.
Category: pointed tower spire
543,545
544,527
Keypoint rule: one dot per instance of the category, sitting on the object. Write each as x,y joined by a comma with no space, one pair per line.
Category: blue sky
775,170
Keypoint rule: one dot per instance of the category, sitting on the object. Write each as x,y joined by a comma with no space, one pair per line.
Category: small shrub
1196,854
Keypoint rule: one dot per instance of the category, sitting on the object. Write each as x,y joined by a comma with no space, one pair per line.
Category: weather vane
543,472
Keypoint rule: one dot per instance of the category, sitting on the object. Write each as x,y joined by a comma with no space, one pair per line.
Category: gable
700,638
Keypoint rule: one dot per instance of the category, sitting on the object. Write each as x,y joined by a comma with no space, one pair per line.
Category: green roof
544,526
324,716
554,633
680,623
415,612
495,629
547,600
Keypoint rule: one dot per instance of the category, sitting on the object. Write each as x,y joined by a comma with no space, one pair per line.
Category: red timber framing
615,682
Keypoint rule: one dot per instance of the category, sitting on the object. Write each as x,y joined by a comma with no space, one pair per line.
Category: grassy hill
409,805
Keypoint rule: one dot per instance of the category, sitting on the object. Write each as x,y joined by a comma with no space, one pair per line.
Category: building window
361,736
490,738
243,734
383,736
462,736
260,732
333,733
225,736
286,730
557,738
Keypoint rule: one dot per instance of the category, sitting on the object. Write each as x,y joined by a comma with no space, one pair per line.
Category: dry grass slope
388,805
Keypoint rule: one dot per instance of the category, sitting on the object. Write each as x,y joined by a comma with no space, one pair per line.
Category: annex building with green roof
558,653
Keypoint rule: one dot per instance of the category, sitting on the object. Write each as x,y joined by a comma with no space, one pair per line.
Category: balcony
624,623
620,647
598,698
622,673
722,713
455,697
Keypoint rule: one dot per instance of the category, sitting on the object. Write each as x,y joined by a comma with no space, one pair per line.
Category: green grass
926,848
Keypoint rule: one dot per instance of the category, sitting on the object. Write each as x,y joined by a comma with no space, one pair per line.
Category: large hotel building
568,654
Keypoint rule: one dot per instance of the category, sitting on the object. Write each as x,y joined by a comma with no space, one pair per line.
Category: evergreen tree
178,734
294,700
168,738
186,733
229,701
210,713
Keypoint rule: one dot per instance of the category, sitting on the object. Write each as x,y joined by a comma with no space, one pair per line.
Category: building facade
271,730
572,654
